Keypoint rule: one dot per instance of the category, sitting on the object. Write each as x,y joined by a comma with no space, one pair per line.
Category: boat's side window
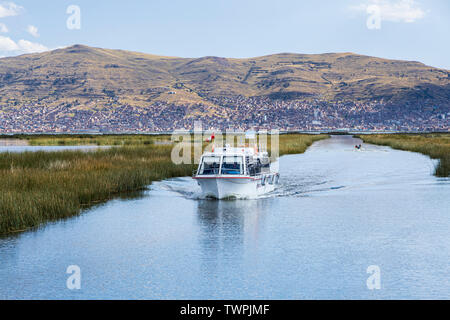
210,165
232,165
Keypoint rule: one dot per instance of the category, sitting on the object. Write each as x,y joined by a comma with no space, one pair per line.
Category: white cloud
9,9
31,47
7,44
394,10
21,46
3,28
33,31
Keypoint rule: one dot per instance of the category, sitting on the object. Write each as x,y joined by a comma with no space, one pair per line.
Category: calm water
337,212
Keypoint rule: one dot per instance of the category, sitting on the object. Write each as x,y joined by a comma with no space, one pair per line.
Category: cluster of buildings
221,113
297,115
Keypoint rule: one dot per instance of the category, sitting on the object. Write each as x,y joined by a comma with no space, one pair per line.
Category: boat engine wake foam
288,187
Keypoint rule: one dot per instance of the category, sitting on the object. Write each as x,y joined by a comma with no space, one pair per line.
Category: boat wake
289,187
315,172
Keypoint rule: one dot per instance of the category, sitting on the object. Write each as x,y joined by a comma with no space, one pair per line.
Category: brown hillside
81,72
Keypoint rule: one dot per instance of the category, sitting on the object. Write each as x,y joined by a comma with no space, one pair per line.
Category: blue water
336,212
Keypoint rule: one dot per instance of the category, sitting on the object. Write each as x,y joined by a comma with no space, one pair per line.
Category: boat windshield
210,165
232,165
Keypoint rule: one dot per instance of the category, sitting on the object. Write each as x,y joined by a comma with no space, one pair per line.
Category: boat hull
236,187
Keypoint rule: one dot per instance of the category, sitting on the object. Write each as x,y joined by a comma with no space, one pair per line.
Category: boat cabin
234,161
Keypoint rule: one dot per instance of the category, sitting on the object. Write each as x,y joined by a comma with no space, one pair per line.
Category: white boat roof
244,151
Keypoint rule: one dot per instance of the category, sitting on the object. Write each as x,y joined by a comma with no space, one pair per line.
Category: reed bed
98,140
435,145
41,186
297,143
36,187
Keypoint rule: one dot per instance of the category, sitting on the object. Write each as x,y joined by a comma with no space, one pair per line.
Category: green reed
92,139
39,186
435,145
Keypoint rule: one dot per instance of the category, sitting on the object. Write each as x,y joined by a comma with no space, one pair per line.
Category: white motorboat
241,172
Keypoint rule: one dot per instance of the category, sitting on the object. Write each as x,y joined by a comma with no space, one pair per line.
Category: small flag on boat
210,138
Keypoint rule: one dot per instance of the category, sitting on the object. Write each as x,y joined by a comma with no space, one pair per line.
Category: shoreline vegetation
38,187
435,145
92,139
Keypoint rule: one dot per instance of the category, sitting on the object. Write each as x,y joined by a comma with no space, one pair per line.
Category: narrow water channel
336,212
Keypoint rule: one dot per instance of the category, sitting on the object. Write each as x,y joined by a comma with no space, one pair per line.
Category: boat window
210,165
232,165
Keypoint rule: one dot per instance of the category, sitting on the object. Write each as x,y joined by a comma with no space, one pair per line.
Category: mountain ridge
341,76
81,78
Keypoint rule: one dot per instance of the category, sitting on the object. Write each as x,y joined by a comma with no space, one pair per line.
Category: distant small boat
241,172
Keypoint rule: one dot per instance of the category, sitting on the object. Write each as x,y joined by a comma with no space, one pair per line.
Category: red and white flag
210,138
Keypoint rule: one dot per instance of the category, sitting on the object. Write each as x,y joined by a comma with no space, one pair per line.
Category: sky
417,30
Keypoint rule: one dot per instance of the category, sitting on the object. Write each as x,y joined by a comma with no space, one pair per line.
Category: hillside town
238,113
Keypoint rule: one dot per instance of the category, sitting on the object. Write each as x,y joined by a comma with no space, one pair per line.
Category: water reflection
228,228
232,219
